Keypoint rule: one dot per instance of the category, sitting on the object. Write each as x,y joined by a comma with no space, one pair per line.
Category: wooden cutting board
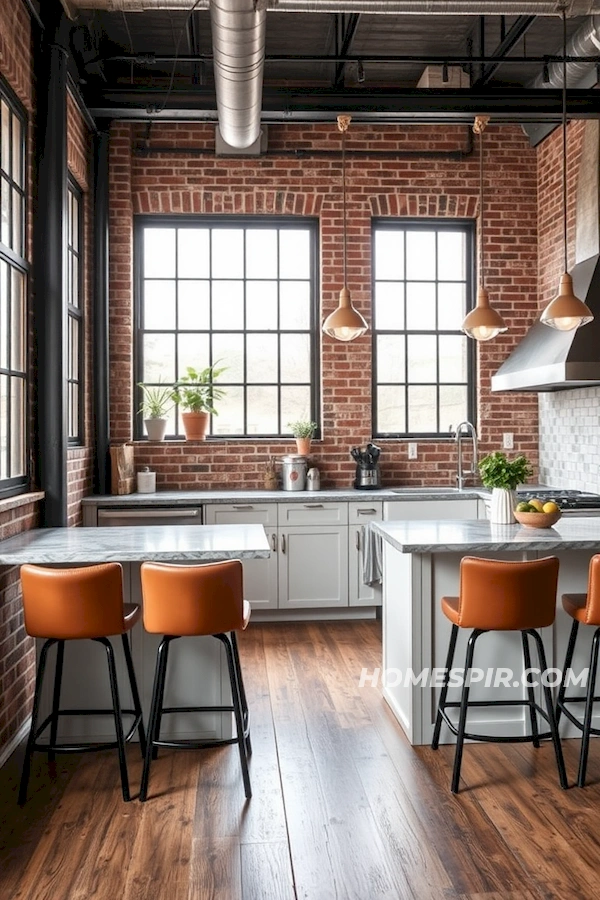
122,473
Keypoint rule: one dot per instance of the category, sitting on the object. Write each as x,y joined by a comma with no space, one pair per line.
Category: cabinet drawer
241,513
359,513
313,513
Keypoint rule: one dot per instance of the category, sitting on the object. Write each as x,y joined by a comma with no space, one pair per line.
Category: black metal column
101,396
49,284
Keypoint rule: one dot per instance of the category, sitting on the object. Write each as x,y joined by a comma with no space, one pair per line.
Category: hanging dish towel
372,557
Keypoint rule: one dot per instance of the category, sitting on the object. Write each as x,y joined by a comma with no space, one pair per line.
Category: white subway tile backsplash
570,439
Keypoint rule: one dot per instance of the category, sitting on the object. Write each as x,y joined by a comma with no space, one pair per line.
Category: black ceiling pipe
101,394
49,284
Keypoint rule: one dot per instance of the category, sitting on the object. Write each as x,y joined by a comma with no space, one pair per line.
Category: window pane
261,253
17,326
420,306
159,252
229,349
453,406
261,305
422,409
422,358
295,358
17,235
74,223
389,306
295,305
451,256
227,253
17,160
4,472
262,410
159,305
390,358
4,212
73,348
74,276
159,355
5,140
194,305
193,259
231,413
389,255
452,306
453,357
261,358
228,305
4,307
391,414
194,351
294,254
420,255
295,404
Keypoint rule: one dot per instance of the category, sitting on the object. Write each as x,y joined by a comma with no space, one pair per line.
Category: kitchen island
198,670
421,561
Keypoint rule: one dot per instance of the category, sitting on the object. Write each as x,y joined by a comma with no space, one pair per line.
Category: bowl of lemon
537,514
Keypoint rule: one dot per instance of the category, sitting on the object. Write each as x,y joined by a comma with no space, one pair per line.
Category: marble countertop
156,543
453,535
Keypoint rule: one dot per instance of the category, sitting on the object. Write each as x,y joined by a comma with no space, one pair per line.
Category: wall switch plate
412,451
508,440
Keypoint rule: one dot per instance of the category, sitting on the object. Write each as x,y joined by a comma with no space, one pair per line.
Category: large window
75,313
423,363
239,292
13,282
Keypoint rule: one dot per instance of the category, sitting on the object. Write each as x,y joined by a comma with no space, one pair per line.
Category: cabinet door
430,509
313,566
359,593
260,575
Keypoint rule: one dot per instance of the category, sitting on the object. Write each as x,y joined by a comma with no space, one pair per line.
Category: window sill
21,500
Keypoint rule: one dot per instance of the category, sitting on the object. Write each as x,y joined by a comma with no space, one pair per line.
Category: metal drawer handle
273,542
358,539
366,512
313,506
249,506
283,543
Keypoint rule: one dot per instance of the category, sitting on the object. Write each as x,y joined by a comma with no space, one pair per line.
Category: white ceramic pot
503,504
156,429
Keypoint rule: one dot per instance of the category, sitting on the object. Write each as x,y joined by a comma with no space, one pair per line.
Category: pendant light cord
564,135
343,123
479,128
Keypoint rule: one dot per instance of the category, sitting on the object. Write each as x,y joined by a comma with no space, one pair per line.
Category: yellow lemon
549,507
537,504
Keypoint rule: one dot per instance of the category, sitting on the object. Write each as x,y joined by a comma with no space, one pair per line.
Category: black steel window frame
257,222
427,224
12,485
75,312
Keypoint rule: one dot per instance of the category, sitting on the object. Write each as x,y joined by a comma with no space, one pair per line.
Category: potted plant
156,403
303,431
503,475
196,392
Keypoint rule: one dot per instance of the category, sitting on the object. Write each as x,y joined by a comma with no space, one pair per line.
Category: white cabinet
260,575
430,509
359,514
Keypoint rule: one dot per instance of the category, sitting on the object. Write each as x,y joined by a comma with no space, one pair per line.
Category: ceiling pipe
584,42
369,7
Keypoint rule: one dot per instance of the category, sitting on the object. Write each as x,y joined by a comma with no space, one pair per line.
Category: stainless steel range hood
549,360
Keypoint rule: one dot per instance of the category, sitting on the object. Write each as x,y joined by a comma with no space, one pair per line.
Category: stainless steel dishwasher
110,518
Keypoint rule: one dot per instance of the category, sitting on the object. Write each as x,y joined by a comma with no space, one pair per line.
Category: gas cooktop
565,499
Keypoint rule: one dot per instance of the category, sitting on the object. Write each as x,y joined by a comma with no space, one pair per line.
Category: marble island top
462,536
156,543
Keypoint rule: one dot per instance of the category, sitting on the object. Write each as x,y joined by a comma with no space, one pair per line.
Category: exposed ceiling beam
348,31
514,35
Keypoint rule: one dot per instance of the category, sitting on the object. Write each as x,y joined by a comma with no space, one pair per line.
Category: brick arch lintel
251,202
435,206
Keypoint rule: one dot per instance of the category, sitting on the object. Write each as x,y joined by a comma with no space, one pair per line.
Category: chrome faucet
462,474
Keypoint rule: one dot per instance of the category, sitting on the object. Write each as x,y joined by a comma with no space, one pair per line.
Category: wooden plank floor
343,807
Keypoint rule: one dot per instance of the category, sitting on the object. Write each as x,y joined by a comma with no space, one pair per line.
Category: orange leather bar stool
193,601
72,604
501,596
584,609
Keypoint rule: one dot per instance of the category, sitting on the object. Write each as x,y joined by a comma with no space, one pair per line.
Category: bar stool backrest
193,600
497,595
592,606
65,604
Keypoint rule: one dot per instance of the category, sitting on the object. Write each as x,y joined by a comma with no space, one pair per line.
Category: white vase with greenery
503,475
156,403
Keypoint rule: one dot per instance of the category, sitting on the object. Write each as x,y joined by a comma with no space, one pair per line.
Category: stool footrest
191,744
492,738
573,719
84,748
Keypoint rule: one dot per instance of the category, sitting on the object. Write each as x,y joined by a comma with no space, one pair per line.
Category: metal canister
293,472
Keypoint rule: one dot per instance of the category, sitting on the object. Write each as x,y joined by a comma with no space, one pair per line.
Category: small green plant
497,471
302,428
196,390
156,400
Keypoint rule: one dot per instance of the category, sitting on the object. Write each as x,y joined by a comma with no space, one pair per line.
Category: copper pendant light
566,312
345,323
483,323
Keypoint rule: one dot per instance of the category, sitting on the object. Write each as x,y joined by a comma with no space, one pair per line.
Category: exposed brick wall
80,459
423,182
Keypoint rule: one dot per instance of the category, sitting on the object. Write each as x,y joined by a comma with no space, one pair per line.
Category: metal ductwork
585,42
369,7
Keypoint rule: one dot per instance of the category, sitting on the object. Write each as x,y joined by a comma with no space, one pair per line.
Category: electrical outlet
412,451
508,440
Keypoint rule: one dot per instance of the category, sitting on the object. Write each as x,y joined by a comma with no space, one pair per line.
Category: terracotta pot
303,445
195,425
156,429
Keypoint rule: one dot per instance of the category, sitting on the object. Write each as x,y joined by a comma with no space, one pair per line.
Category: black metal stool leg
154,721
60,656
242,689
237,708
114,690
530,692
449,660
134,693
161,695
39,681
462,720
560,762
568,660
589,708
